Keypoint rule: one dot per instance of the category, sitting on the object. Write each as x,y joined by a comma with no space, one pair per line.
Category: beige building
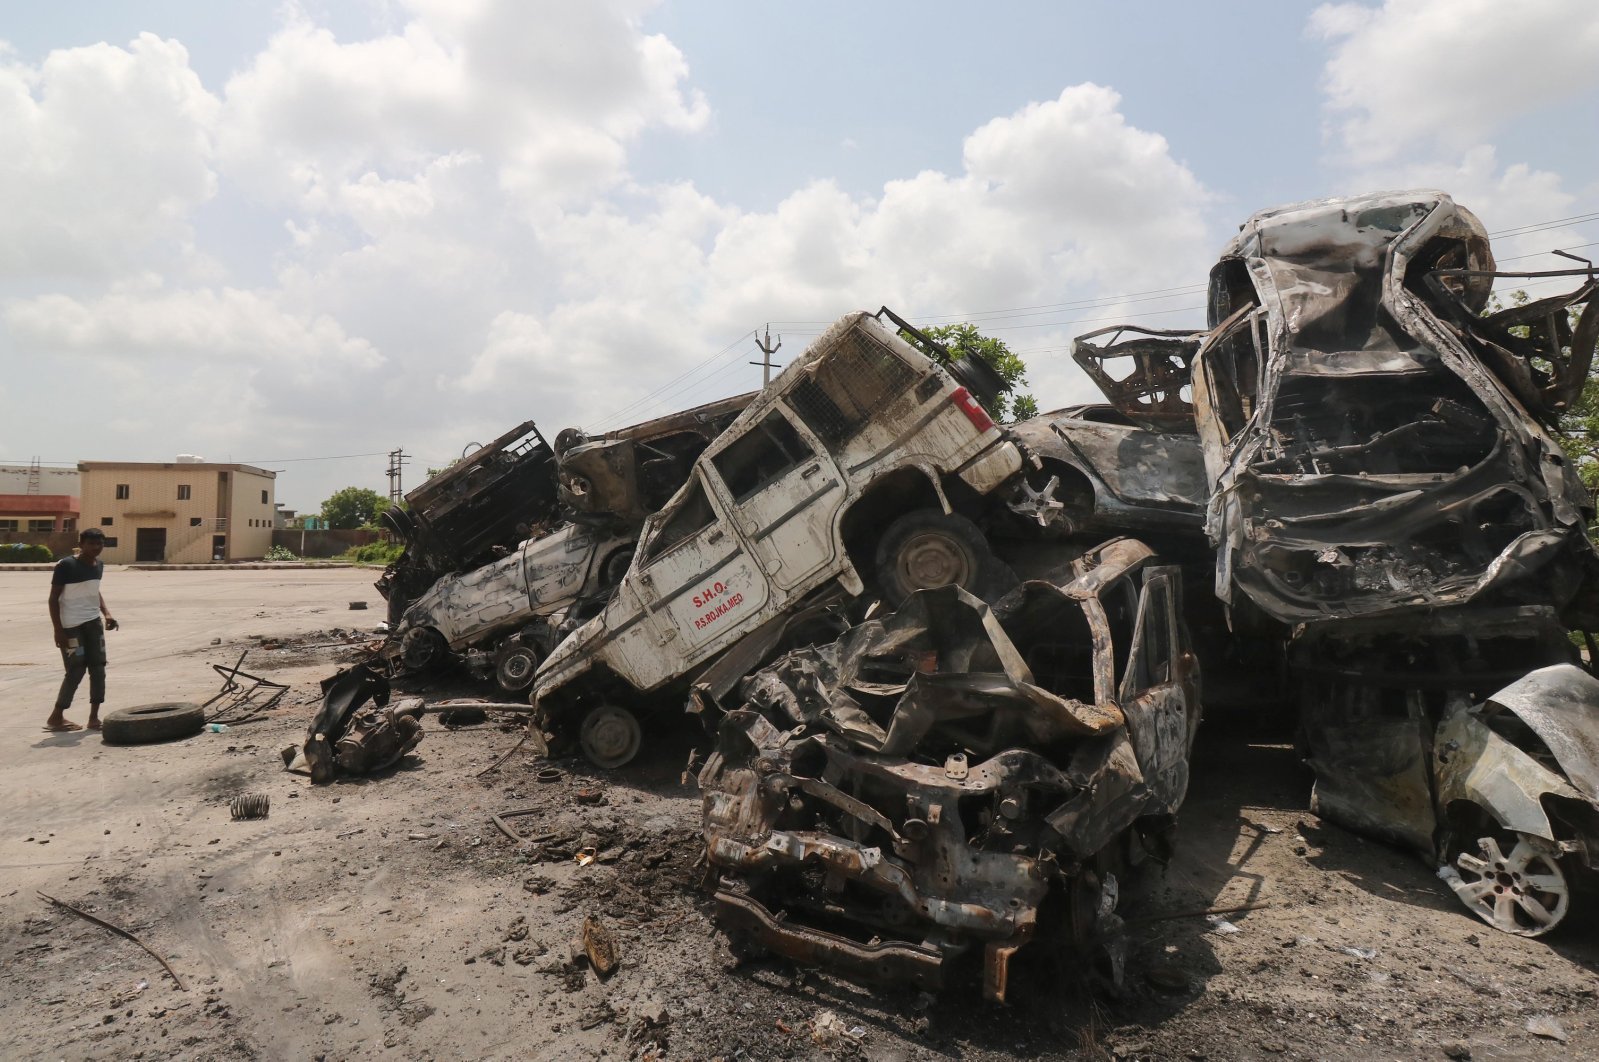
186,512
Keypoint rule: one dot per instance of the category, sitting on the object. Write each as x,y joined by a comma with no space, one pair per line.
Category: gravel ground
388,917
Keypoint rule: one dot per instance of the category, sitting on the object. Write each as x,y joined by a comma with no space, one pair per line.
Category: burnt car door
783,492
1159,689
696,581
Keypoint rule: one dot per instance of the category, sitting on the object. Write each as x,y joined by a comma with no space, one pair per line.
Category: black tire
928,548
146,723
514,667
615,567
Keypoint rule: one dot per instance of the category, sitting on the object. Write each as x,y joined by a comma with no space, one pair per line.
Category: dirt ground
388,917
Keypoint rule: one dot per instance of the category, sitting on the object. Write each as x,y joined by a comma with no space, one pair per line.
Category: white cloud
1445,74
243,327
443,238
107,154
550,93
1059,196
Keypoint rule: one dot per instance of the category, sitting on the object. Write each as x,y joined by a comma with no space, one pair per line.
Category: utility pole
766,348
396,467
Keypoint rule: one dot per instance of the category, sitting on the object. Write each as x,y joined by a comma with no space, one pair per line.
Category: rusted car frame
915,791
469,513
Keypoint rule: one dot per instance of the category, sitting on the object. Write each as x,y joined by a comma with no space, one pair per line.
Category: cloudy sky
304,234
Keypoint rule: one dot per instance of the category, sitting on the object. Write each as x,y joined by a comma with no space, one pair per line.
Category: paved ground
385,917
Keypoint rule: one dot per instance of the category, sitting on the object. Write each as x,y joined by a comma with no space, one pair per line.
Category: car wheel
422,648
1522,891
615,567
145,723
515,666
928,548
610,736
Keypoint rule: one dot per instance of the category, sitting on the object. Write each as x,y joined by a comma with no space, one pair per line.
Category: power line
1535,254
1539,226
610,417
1154,295
289,460
798,328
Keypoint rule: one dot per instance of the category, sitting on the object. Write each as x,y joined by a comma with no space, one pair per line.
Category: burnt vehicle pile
511,547
864,462
953,667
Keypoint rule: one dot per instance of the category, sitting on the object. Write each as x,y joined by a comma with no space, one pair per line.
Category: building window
41,525
110,542
8,525
194,521
263,497
105,521
122,492
183,492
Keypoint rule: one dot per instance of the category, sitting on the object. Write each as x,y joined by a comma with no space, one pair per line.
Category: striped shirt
80,590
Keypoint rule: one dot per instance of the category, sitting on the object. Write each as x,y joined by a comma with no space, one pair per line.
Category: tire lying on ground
144,723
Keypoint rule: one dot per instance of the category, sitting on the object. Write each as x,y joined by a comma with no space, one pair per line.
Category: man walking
75,609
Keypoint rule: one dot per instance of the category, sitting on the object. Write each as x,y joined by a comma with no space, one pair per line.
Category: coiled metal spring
249,806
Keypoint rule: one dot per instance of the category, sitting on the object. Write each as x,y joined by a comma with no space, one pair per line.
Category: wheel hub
932,560
516,667
610,737
1523,892
420,648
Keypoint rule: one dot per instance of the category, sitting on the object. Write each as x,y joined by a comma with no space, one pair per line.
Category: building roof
200,466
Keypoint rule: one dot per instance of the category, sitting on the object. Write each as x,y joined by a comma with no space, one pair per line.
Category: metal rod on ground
468,705
512,751
119,931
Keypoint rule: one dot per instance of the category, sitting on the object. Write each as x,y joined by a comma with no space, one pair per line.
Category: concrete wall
322,543
254,512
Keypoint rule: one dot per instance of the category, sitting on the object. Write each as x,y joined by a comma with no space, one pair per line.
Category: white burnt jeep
863,463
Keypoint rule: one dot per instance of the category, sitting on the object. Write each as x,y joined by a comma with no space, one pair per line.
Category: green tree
963,339
353,507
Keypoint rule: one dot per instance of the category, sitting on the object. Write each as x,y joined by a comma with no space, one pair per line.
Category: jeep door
697,584
783,492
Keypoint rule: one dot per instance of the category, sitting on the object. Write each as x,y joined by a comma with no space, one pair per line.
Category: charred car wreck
1375,446
470,513
1385,477
952,781
864,460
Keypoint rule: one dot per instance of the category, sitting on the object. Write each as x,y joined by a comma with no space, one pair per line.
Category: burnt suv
863,461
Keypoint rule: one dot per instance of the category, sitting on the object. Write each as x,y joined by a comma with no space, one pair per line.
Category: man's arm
55,615
110,621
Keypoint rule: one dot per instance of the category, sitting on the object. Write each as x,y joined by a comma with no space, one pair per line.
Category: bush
280,553
375,553
25,553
